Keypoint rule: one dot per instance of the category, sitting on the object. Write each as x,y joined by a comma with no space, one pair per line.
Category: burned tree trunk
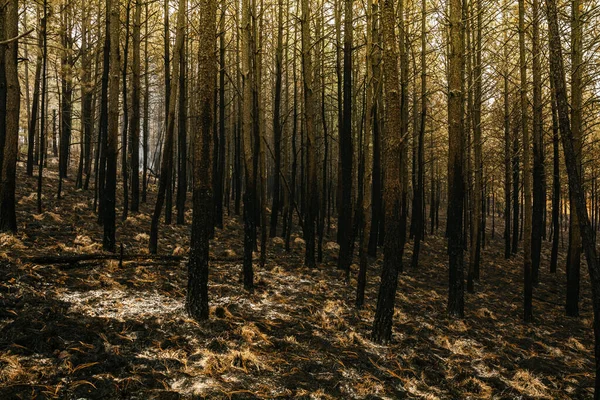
392,152
573,169
197,294
10,142
456,191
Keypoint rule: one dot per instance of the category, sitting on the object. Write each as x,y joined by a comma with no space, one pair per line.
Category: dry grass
530,385
99,330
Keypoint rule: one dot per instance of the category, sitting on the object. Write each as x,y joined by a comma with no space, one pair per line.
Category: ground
100,330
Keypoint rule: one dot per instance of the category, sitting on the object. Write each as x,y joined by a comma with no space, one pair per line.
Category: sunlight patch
120,304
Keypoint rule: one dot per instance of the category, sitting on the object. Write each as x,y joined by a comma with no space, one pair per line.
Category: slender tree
87,103
67,63
167,160
456,181
392,152
573,169
574,253
250,166
309,122
507,142
277,126
419,198
346,150
146,125
478,215
197,294
370,96
539,189
527,227
35,108
555,184
182,144
10,139
42,140
112,138
134,132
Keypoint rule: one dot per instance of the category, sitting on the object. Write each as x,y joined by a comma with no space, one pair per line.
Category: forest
316,199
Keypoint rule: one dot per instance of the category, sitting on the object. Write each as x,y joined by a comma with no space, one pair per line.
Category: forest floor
97,330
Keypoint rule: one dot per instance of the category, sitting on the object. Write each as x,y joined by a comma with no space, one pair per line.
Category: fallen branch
75,258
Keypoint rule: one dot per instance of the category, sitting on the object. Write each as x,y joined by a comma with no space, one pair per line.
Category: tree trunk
372,11
182,137
248,146
42,140
574,254
33,122
507,146
134,140
146,125
277,122
516,185
197,294
392,152
456,181
66,94
539,189
573,170
10,142
166,167
124,132
478,215
527,226
555,185
346,150
309,118
112,138
418,214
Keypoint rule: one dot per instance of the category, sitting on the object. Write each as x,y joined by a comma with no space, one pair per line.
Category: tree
182,138
475,256
197,294
539,187
134,139
419,192
309,121
33,121
573,169
574,253
277,126
66,93
345,209
555,184
456,192
125,128
10,135
146,128
507,144
369,118
250,146
167,160
112,138
42,141
392,152
527,229
219,145
87,104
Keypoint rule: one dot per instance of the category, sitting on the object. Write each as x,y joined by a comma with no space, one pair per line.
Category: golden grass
528,384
